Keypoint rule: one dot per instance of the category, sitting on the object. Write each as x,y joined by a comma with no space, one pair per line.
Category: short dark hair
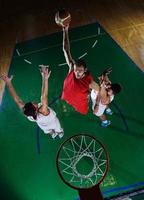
29,110
116,88
81,62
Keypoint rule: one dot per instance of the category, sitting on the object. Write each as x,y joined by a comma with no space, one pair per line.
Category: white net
82,161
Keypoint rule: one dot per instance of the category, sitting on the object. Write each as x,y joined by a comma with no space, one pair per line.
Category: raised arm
45,73
104,85
66,48
104,79
12,91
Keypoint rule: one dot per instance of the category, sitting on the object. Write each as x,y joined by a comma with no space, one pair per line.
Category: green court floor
27,175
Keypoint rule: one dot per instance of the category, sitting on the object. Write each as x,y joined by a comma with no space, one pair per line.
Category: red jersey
75,91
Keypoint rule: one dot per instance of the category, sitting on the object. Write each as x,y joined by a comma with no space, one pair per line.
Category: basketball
62,18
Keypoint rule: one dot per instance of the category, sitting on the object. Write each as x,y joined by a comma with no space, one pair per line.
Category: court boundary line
59,44
124,187
121,115
120,189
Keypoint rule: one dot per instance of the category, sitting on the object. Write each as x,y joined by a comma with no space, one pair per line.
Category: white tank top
47,122
94,95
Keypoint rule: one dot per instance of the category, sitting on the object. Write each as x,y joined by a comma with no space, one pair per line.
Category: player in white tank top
44,116
49,123
102,107
102,96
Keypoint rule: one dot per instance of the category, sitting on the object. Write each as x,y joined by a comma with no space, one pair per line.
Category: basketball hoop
82,163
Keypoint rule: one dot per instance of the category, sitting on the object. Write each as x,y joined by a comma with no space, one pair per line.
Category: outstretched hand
104,76
107,71
6,79
44,70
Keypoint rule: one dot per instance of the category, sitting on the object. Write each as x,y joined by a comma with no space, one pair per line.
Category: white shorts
101,108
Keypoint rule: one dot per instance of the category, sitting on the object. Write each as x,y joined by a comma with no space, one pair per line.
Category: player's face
79,71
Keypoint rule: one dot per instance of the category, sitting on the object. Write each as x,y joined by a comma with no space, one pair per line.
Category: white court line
94,44
83,55
98,30
27,61
62,64
18,52
59,44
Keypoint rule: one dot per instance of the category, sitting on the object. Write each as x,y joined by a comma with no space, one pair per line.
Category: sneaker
53,135
105,123
109,111
61,135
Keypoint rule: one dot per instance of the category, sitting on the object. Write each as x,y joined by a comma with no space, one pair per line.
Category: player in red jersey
78,81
